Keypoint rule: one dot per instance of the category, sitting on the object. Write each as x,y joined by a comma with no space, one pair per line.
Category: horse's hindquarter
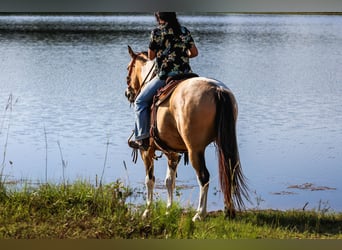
167,128
189,120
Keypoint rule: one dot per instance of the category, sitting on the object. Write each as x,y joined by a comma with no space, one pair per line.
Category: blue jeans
142,106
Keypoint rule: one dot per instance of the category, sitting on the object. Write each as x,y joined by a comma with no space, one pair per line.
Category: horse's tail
232,180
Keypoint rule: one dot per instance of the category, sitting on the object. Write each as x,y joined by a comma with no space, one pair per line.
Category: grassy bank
81,210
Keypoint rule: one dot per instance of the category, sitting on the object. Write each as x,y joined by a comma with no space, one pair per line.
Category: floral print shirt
171,50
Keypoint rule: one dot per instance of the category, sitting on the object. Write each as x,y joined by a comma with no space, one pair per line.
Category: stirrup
139,144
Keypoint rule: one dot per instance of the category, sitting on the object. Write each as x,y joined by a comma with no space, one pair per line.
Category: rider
171,44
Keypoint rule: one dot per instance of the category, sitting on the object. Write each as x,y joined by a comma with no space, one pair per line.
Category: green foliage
81,210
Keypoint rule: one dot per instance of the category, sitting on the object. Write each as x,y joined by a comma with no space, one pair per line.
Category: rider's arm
192,52
151,54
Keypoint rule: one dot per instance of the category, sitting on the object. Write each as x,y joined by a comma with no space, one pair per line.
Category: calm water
67,78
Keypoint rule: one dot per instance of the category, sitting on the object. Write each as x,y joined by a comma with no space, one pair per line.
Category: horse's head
136,74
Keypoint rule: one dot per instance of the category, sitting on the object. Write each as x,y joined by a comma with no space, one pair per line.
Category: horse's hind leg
198,162
173,159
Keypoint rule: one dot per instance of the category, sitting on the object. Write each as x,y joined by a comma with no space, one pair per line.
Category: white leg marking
149,185
170,185
202,205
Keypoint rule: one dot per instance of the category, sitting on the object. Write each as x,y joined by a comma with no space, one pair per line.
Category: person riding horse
198,112
171,44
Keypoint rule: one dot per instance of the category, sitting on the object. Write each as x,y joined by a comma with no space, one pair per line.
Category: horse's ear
131,52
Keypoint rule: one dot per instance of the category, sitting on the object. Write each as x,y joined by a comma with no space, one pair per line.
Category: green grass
81,210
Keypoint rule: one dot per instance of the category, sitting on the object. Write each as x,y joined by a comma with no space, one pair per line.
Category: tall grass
82,210
7,111
46,155
62,211
105,161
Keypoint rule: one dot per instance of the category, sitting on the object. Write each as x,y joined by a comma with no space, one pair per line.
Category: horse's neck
147,71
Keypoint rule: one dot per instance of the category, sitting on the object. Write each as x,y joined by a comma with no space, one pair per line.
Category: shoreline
83,211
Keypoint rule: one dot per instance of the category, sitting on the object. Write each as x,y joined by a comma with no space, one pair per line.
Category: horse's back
191,113
202,83
197,93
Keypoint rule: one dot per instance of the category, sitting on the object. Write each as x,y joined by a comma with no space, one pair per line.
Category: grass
84,211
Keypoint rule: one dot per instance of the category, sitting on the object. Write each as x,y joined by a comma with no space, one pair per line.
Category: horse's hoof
168,210
146,214
197,217
229,213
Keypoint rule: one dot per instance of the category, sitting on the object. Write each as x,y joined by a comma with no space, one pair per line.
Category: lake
68,119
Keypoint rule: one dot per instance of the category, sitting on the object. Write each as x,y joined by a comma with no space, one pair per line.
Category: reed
8,109
46,155
64,163
105,161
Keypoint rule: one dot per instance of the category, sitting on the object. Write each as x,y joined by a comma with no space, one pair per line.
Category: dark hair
171,19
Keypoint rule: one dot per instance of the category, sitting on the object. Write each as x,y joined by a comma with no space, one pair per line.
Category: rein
145,79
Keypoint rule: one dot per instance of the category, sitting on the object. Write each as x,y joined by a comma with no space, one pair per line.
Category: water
67,78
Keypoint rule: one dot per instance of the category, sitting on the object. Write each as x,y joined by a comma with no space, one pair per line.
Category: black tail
232,180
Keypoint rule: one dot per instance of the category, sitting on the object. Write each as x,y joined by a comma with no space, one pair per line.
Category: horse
198,112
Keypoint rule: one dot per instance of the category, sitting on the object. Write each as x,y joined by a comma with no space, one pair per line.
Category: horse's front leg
147,157
149,182
173,159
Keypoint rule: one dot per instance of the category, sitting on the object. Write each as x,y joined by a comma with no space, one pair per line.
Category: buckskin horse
198,112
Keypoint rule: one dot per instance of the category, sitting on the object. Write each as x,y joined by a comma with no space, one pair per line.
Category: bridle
130,70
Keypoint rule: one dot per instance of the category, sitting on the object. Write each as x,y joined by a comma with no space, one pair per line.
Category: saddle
162,95
170,84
